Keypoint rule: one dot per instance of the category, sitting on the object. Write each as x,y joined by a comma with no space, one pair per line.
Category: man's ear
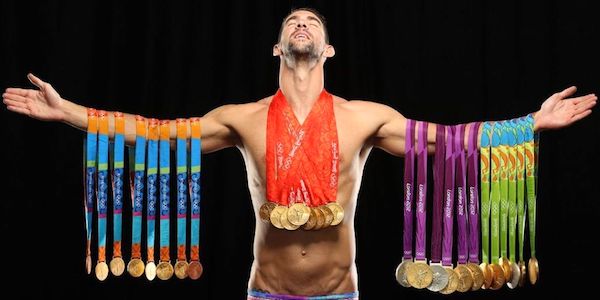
329,51
276,50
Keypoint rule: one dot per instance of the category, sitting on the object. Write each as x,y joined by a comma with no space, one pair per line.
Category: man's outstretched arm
46,104
556,112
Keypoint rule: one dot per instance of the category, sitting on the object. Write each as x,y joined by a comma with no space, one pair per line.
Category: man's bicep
217,133
390,135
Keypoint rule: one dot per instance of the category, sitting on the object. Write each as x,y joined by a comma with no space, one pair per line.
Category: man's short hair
309,9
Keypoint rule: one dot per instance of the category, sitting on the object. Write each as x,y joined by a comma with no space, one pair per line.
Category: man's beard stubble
307,53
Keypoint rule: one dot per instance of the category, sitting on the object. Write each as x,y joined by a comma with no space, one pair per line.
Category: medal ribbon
461,184
164,169
512,189
485,190
102,193
181,187
117,181
152,173
449,198
473,210
495,194
302,157
530,180
438,192
421,191
91,144
138,187
503,189
409,178
520,184
196,155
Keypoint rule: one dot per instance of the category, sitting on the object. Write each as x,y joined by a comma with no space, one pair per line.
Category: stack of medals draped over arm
149,161
490,221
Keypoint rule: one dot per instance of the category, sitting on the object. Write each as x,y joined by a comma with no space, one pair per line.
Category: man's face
302,35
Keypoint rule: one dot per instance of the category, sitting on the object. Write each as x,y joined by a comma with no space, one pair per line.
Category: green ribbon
530,162
520,131
495,194
485,190
512,189
503,188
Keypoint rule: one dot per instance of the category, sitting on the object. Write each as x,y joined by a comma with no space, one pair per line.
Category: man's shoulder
359,105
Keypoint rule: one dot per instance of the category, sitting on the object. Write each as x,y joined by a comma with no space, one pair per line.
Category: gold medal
298,214
164,270
101,270
285,223
328,214
338,212
534,270
478,276
150,270
498,274
401,272
419,275
488,275
452,282
181,269
320,218
117,266
135,267
506,267
465,278
195,270
275,216
312,220
523,269
265,211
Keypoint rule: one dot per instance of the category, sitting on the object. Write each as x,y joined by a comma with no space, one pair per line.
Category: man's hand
44,104
558,111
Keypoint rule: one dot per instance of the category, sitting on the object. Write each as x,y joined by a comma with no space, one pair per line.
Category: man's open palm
43,104
559,111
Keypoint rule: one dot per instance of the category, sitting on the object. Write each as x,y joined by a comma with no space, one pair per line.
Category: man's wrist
74,114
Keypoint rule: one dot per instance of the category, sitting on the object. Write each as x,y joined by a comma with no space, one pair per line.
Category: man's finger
580,116
20,110
583,98
18,91
14,97
36,81
10,102
568,92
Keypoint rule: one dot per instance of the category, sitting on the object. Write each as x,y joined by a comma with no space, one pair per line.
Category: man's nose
300,24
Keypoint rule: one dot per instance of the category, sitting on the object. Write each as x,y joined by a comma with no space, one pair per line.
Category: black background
442,61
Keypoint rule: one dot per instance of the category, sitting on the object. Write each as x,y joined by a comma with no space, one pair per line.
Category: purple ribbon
473,172
438,192
449,198
409,179
461,183
421,191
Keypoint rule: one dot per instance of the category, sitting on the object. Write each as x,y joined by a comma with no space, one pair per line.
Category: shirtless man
297,262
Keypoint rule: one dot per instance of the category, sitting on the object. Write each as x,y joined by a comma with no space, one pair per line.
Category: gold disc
338,213
88,264
117,266
452,282
181,269
506,267
135,267
101,270
328,214
297,214
465,278
477,276
265,211
150,270
523,269
488,275
320,218
312,220
275,216
419,275
285,222
515,277
195,270
499,280
164,270
534,270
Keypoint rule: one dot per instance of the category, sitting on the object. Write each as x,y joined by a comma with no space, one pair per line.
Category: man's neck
301,86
